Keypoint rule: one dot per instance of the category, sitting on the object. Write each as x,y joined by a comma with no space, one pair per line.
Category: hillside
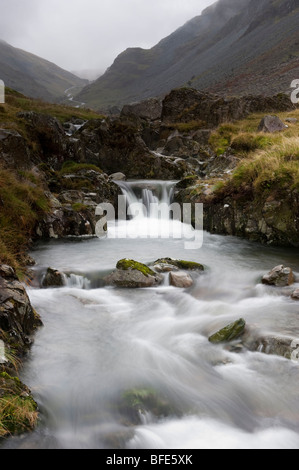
233,47
34,76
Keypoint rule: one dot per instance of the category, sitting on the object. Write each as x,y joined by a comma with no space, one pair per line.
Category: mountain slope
234,46
34,76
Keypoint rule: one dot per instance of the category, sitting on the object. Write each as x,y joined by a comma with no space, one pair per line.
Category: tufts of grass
275,168
22,204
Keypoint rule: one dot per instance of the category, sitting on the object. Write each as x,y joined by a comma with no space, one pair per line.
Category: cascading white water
98,343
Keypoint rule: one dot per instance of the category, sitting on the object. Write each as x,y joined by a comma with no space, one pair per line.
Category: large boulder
280,276
271,124
132,274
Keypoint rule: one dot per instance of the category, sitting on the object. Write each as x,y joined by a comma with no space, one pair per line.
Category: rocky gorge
71,165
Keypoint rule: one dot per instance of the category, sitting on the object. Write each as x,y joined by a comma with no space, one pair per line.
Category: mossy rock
181,264
229,333
132,274
126,264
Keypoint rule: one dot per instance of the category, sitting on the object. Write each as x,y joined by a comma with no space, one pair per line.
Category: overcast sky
89,34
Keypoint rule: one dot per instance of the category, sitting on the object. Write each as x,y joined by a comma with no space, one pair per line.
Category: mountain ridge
233,45
34,76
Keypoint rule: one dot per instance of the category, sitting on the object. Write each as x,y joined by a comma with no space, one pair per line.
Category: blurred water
98,342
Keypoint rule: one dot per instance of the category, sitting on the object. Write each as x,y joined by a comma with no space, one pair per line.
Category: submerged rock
132,274
180,279
138,402
280,276
229,333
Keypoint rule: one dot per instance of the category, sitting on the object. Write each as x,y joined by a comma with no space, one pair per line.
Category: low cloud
89,34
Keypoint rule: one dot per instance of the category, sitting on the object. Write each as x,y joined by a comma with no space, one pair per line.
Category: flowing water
99,342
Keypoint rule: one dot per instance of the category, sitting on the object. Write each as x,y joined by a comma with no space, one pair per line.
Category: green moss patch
126,264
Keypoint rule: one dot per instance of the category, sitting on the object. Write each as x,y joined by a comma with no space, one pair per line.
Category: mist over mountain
33,76
234,47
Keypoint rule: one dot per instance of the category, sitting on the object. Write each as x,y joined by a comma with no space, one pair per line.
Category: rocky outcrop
132,274
150,109
18,320
259,218
117,146
186,104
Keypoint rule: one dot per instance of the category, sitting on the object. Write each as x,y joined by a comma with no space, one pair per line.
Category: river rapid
99,342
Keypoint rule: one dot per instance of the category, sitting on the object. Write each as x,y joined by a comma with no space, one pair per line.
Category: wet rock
272,344
295,294
229,333
180,264
280,276
165,268
180,279
132,274
53,278
271,124
18,320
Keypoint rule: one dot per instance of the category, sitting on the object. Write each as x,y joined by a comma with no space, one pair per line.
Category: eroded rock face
17,317
117,146
187,104
279,276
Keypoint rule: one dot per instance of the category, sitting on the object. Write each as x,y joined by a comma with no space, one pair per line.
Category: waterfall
147,197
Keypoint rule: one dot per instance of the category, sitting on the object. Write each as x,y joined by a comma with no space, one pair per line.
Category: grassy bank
268,162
